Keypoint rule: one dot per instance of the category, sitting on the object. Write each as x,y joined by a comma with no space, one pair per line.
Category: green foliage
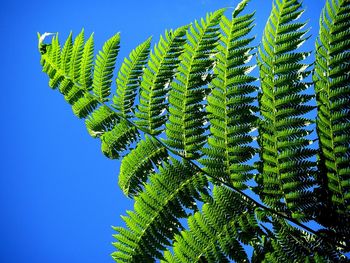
286,172
183,118
333,99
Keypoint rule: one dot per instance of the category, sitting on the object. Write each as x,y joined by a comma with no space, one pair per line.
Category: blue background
58,193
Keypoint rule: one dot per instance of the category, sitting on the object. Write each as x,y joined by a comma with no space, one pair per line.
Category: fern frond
87,64
129,78
213,234
332,85
100,121
53,56
230,108
138,164
104,66
85,105
118,139
161,69
282,130
157,210
67,54
185,128
290,244
77,54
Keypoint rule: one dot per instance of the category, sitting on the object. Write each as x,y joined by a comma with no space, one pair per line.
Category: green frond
51,62
214,234
118,139
129,78
290,244
332,85
87,64
230,108
139,164
85,105
282,130
155,219
67,54
185,128
156,80
104,66
100,121
77,54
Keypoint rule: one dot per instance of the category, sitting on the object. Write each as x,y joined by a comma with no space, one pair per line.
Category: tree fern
182,119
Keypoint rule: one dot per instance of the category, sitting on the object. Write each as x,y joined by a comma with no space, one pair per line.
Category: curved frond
139,164
157,211
104,66
286,173
230,105
185,128
129,78
332,85
156,79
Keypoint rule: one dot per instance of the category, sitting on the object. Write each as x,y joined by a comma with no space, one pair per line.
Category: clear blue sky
58,193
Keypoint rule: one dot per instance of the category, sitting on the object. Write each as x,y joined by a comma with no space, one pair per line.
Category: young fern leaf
185,128
155,220
104,66
129,78
161,69
138,165
332,85
230,109
286,173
